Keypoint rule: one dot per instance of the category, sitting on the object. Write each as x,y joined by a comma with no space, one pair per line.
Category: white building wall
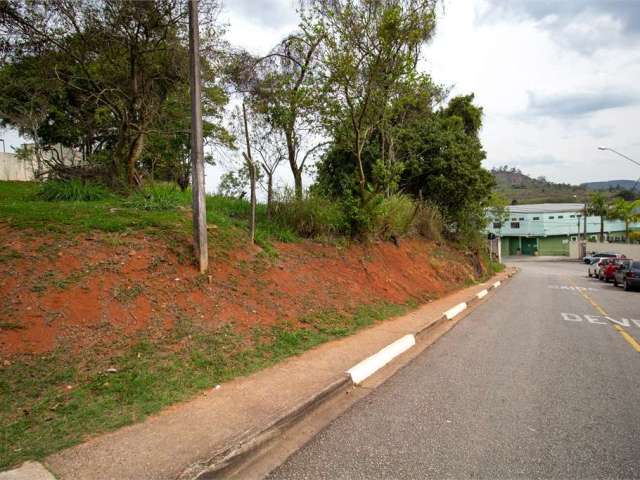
13,168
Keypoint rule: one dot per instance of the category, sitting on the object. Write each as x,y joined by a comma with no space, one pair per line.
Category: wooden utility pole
252,175
199,206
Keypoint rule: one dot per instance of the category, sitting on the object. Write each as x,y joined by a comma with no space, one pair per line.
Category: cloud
583,25
264,13
577,104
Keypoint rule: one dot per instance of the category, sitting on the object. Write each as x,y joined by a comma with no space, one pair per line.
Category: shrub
159,196
313,216
428,222
394,216
71,190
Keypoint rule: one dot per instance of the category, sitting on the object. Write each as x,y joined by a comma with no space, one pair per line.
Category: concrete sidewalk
188,438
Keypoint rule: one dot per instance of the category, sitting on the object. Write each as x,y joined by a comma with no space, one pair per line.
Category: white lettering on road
572,287
571,317
599,320
594,319
623,322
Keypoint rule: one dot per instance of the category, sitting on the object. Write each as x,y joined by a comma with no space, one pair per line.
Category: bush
159,196
313,216
394,217
428,222
71,190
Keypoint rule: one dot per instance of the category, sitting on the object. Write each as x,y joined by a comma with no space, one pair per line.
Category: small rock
132,253
177,279
111,370
6,363
217,387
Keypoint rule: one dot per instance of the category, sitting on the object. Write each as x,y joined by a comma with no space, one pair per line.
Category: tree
288,95
628,212
120,61
597,206
497,208
369,48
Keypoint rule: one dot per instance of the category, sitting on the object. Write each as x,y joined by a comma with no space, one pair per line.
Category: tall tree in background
369,48
597,206
628,212
289,96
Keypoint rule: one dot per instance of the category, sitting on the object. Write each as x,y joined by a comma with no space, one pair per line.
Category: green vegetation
51,402
74,190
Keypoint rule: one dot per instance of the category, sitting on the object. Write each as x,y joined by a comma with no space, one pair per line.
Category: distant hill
617,184
520,188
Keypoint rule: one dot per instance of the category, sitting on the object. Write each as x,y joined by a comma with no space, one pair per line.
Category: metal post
199,206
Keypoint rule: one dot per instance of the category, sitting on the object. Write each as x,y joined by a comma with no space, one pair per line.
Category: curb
248,442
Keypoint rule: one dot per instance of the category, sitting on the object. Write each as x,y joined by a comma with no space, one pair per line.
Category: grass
156,210
51,402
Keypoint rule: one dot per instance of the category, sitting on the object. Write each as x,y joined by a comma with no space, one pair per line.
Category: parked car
597,256
627,274
596,264
607,271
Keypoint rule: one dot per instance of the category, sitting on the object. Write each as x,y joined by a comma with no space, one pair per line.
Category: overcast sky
556,78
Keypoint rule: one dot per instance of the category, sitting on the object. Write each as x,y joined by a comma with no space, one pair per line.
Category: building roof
547,208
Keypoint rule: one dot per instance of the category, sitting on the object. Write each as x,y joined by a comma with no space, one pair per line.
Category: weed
9,254
126,294
73,190
10,326
159,196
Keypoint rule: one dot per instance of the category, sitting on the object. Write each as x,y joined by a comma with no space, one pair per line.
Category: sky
556,78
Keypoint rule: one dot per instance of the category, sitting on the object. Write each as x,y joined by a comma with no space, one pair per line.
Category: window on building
515,224
578,215
521,219
551,218
560,216
536,218
573,239
497,224
572,216
514,219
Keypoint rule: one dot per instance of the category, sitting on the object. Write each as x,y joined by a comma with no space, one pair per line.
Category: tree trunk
601,229
295,170
626,231
135,152
269,193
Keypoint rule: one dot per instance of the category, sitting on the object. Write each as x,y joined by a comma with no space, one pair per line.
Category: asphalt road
534,383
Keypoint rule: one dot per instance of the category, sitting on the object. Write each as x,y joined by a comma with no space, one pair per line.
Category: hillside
610,184
520,188
104,319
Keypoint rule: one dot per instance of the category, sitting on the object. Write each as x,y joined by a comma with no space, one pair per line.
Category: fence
579,249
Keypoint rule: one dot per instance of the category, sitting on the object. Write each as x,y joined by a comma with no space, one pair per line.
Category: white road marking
571,317
599,319
571,287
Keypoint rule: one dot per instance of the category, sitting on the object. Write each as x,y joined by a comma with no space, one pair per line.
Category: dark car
628,274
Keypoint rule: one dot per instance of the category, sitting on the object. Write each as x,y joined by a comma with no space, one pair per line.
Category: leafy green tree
117,62
369,49
628,212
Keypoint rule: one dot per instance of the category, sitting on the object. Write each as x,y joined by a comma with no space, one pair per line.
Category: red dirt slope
81,292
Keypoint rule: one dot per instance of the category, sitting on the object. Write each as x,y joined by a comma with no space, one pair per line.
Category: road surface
535,382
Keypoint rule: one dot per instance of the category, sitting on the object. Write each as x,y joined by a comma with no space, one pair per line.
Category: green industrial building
547,228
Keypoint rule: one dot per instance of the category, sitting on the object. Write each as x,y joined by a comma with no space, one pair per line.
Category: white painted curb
497,284
482,293
452,312
378,360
